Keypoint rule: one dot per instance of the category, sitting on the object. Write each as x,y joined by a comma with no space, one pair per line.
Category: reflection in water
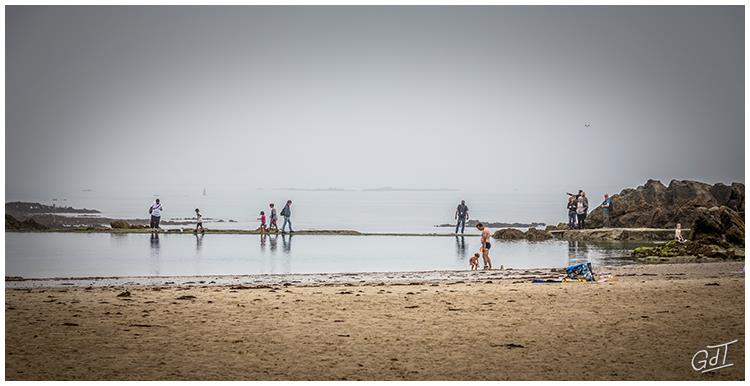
155,245
460,248
154,241
287,245
274,242
577,252
263,242
198,242
64,255
286,259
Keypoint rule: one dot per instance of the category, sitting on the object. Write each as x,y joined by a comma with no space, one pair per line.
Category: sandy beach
644,323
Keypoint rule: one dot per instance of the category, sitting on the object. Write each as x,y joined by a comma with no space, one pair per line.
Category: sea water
47,255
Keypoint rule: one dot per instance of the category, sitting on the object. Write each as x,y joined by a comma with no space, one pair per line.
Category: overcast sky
495,98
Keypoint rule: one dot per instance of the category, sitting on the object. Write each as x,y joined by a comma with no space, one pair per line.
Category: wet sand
644,323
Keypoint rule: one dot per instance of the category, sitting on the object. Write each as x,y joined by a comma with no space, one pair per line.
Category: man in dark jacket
286,213
462,214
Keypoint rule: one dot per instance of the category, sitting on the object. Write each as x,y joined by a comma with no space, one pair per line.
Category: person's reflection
573,253
287,245
198,242
274,240
263,242
155,244
460,248
154,241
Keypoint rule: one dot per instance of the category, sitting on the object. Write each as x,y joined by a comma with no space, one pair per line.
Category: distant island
314,189
473,223
381,189
391,189
27,208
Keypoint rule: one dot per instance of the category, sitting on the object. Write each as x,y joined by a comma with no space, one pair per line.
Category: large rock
559,227
654,205
534,234
616,234
718,225
119,224
509,234
672,249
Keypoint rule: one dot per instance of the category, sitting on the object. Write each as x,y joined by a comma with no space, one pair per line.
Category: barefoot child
199,223
678,234
474,262
262,219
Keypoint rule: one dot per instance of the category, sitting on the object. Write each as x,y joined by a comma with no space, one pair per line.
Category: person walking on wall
286,213
462,214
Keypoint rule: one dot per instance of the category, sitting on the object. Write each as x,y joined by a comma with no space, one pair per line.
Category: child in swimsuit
474,262
678,234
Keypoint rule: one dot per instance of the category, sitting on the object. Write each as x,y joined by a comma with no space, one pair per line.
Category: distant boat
204,191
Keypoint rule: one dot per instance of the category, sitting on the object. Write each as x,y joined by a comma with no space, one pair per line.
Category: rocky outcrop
654,205
122,224
716,233
721,226
672,251
509,234
12,224
615,234
534,234
559,227
119,224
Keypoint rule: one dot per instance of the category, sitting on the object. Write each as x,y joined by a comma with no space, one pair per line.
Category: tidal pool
47,255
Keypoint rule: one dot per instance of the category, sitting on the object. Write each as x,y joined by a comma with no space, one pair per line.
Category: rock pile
654,205
532,234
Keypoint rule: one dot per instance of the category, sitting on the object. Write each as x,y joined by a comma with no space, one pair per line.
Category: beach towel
563,280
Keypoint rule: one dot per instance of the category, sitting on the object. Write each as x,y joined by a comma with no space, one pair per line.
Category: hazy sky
497,98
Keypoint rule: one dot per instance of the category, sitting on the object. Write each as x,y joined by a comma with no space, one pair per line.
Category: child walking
274,218
199,223
262,219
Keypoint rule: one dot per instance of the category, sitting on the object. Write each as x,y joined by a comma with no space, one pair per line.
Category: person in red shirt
262,219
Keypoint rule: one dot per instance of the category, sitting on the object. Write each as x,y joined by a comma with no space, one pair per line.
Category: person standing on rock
607,210
485,242
582,209
462,214
155,212
572,206
287,213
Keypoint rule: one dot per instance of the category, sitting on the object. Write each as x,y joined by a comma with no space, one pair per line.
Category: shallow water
44,255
